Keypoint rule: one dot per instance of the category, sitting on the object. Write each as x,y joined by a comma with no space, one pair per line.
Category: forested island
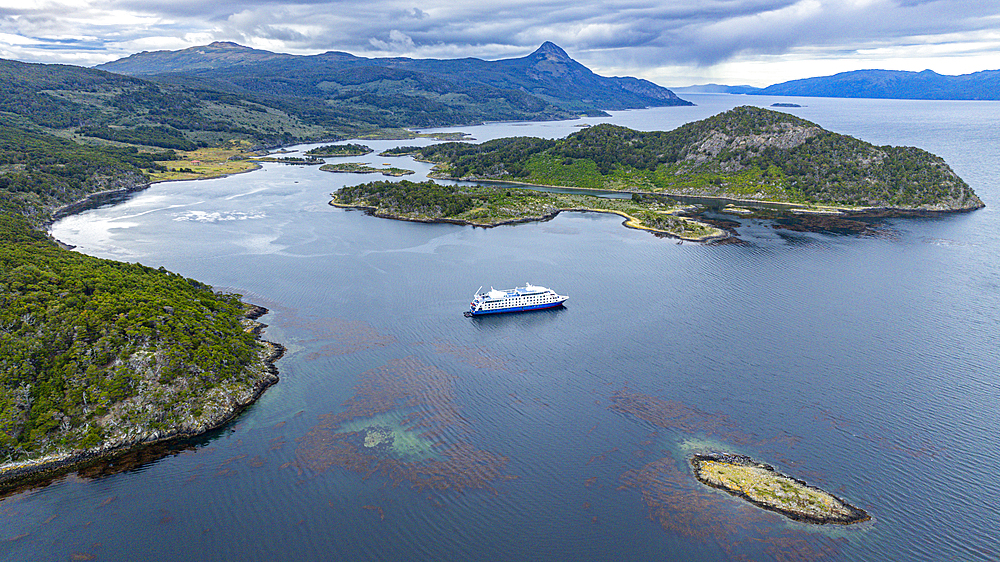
359,168
493,206
339,150
746,153
400,151
296,160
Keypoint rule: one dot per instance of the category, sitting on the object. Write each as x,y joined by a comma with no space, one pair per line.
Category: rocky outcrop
763,486
784,136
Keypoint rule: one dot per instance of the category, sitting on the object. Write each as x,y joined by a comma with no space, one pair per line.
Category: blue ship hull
514,309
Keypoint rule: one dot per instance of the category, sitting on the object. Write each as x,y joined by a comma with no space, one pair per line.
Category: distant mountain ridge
881,84
548,75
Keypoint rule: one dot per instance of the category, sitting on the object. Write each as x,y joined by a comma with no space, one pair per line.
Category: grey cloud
412,13
618,34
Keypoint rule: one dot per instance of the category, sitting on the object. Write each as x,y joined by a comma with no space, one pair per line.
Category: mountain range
218,93
546,77
885,84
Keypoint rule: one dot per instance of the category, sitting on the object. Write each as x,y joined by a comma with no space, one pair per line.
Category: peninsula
493,206
96,356
745,154
761,485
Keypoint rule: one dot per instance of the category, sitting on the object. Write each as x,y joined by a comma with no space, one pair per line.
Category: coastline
17,474
94,200
630,221
790,207
111,196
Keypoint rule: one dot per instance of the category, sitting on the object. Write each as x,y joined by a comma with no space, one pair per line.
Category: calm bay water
866,365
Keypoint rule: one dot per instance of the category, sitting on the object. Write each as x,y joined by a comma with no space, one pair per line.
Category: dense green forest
745,153
490,206
95,352
86,341
101,105
160,136
400,151
39,171
349,149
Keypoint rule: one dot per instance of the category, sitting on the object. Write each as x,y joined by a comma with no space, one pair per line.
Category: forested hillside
401,92
744,153
223,92
95,354
39,172
85,102
96,351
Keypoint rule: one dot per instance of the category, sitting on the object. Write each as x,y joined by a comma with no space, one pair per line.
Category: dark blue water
866,365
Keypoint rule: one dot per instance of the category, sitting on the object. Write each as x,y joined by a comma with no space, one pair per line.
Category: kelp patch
403,424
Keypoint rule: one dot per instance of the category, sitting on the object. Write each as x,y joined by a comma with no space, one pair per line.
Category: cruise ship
518,299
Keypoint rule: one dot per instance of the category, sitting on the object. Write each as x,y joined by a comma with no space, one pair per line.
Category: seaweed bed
419,401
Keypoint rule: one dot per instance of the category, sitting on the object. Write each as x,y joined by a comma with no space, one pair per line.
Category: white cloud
398,42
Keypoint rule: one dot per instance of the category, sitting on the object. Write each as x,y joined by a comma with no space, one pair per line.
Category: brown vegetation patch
677,416
424,397
479,357
680,506
343,336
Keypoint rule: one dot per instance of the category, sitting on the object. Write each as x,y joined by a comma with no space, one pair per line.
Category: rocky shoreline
97,199
15,475
18,474
763,486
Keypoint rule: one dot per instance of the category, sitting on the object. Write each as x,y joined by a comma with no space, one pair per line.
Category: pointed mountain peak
551,51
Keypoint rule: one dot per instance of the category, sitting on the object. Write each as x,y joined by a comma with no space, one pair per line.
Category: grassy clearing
207,163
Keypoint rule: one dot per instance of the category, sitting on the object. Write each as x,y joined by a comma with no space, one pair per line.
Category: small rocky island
359,168
309,161
761,485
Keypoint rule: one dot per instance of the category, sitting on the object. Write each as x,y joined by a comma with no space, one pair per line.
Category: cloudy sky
671,42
